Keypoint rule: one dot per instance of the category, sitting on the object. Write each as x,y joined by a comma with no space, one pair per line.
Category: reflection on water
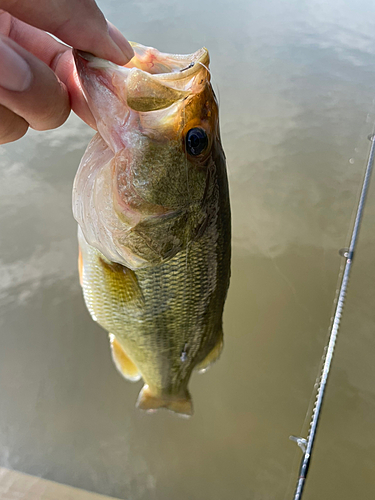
296,85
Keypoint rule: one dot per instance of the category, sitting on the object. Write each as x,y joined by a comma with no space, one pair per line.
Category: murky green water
296,82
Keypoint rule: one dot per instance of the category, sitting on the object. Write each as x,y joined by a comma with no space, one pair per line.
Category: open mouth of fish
169,67
151,81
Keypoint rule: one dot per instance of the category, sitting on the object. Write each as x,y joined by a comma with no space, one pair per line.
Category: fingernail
120,41
15,72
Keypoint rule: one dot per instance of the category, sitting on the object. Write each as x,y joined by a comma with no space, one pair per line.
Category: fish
151,200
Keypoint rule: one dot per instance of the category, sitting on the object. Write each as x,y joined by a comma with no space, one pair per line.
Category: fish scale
173,306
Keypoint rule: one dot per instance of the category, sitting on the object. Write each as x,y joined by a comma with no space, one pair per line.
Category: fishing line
205,67
348,253
216,91
187,274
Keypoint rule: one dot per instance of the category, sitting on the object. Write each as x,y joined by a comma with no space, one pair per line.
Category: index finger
53,53
79,23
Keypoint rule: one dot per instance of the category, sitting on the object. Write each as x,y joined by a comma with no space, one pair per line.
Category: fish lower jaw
149,400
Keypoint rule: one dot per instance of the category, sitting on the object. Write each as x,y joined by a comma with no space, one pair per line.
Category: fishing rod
307,444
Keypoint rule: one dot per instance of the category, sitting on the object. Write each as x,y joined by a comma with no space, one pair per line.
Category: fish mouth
150,81
159,64
168,66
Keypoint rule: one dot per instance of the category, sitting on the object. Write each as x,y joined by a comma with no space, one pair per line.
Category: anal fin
212,356
123,364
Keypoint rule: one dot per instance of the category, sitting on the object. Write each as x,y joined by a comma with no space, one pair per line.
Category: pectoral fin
212,356
180,403
124,365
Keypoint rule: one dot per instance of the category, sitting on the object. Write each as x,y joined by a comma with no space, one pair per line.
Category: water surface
296,86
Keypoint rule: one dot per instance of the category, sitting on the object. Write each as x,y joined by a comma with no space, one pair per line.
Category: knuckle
50,119
53,113
12,126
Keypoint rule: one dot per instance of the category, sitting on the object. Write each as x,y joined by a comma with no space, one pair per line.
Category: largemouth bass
151,200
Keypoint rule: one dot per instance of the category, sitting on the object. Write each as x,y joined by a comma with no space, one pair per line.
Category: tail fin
179,404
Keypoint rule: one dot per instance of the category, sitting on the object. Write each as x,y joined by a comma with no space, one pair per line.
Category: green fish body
152,203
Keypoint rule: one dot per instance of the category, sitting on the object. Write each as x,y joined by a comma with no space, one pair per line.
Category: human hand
38,86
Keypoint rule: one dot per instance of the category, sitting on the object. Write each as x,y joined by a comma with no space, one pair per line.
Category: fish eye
196,141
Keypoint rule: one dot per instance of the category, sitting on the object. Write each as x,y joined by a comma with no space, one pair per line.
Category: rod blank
349,254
